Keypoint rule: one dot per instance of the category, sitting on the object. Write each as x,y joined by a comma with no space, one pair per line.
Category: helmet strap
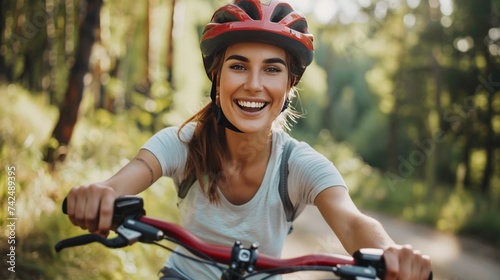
219,115
285,105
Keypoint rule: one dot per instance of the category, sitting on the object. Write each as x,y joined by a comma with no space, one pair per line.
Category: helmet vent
250,9
224,16
300,26
280,12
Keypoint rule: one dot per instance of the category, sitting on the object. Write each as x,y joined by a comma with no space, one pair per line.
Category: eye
238,67
273,69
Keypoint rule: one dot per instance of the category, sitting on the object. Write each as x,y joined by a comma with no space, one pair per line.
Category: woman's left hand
402,262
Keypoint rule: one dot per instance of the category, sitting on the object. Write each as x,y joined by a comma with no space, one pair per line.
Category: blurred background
403,96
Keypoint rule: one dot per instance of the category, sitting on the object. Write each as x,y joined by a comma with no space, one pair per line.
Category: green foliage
101,145
399,81
446,208
153,108
372,129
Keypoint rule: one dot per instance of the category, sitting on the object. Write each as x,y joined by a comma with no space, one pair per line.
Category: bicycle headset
273,22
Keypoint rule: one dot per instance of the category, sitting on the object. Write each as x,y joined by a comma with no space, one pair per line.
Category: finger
92,209
79,208
416,265
106,213
391,263
405,262
426,268
70,205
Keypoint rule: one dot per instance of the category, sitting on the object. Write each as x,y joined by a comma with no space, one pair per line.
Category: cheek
279,90
228,82
225,90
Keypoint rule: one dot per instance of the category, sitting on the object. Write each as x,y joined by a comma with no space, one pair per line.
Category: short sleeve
310,173
170,151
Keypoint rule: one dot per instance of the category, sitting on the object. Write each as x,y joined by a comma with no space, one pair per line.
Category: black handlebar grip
123,206
374,258
65,206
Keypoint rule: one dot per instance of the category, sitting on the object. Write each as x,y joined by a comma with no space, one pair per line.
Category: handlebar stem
242,260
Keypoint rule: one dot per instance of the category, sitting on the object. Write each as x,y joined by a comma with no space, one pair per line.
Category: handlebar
133,226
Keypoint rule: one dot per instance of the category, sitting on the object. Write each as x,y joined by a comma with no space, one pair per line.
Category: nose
253,82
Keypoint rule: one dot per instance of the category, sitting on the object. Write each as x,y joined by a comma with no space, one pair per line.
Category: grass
102,143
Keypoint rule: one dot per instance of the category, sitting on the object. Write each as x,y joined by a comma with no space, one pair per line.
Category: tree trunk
51,48
435,157
490,145
147,27
3,18
328,113
466,153
492,84
170,49
394,123
74,92
145,85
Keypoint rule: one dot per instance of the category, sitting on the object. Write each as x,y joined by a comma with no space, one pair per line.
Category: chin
254,128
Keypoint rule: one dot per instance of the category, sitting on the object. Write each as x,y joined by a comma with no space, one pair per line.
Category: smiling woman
230,153
253,85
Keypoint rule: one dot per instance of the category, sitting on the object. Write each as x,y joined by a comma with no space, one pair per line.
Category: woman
254,54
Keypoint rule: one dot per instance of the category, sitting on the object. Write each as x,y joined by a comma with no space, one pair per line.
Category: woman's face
253,85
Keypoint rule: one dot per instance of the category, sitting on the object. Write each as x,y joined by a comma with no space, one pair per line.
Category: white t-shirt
262,219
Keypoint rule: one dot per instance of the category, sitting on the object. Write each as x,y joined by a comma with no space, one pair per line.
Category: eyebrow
268,61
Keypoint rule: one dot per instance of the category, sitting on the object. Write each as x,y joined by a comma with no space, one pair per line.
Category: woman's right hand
91,207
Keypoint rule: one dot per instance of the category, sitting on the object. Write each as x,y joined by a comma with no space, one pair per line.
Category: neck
247,148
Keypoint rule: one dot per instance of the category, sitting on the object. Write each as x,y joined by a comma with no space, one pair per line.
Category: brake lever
125,238
117,242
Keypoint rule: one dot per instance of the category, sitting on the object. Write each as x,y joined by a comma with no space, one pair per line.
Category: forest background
403,96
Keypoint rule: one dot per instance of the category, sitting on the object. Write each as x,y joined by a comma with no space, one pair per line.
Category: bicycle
238,263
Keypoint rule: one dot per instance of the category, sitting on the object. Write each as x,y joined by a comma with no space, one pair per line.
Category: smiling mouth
251,106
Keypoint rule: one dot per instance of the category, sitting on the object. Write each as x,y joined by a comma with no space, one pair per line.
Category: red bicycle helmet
274,22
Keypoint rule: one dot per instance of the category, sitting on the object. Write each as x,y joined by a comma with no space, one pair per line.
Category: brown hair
207,149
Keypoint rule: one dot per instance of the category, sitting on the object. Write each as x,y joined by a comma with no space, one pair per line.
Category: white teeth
251,104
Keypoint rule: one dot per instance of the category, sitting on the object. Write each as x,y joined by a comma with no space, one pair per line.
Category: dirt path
452,257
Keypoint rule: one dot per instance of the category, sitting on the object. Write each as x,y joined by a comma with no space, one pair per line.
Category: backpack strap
290,210
185,185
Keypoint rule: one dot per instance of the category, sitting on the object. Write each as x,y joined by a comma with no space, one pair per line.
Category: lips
251,106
